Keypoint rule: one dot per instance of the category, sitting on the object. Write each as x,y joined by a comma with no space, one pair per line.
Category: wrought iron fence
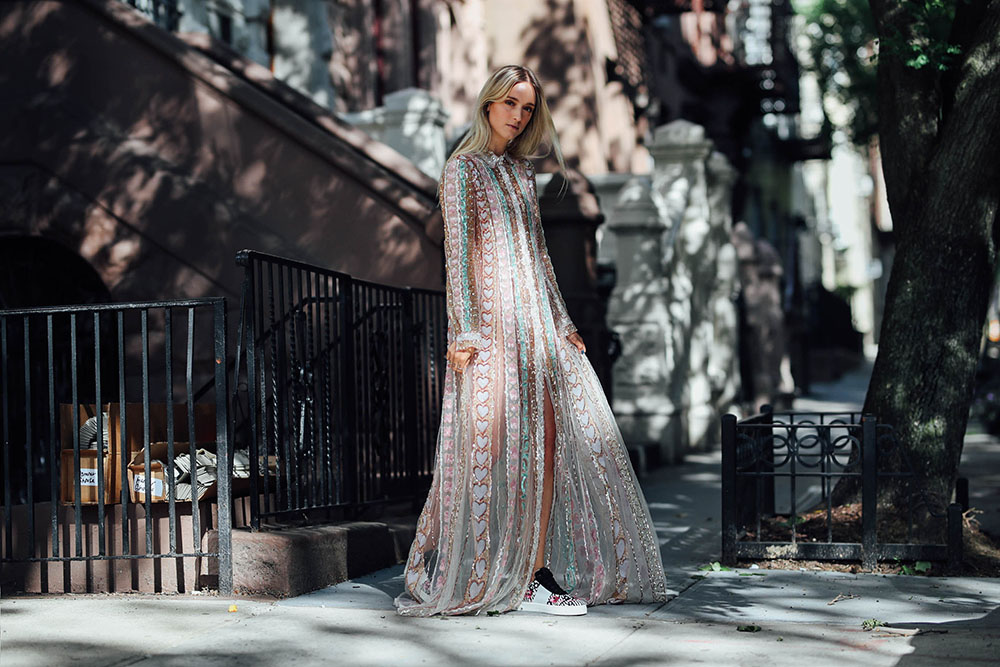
342,390
770,459
103,406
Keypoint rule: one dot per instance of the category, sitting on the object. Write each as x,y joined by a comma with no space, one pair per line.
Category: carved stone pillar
639,310
714,379
680,188
412,122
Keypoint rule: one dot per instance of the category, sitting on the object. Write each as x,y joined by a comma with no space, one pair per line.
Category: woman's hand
575,339
459,359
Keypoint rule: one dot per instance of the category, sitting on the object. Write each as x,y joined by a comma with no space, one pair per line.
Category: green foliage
920,567
747,628
844,47
925,43
872,623
715,567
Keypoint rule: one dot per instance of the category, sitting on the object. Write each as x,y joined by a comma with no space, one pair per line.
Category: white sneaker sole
542,608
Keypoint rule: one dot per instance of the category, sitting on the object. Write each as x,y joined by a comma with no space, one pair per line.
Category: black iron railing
341,399
151,377
775,465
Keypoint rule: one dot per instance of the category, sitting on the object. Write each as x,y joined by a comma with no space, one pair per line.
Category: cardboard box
158,473
89,493
131,442
88,458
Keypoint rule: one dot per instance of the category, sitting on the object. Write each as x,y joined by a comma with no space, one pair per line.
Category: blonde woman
533,504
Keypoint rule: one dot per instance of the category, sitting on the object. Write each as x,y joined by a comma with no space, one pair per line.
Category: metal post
955,547
224,450
962,493
77,497
5,444
729,489
348,394
123,430
171,488
101,444
248,332
53,453
146,437
29,454
192,454
410,428
327,411
765,452
869,492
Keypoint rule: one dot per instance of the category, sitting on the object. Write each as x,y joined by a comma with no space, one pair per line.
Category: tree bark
944,189
910,99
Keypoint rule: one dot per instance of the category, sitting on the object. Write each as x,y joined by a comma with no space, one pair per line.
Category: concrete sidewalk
930,621
795,616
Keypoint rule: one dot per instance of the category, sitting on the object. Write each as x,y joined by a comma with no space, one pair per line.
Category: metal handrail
342,390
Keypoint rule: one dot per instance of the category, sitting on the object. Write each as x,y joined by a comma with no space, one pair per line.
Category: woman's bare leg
547,480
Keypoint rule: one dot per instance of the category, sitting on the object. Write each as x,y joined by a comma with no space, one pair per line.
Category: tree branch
969,14
909,104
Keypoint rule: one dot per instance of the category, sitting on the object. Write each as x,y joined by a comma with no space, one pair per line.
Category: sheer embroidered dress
478,531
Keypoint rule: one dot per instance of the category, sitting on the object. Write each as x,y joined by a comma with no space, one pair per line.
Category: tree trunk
944,194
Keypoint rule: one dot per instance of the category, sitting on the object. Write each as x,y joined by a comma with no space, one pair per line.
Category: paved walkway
801,617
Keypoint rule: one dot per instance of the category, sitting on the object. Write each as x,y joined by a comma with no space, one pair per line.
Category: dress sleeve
459,209
564,325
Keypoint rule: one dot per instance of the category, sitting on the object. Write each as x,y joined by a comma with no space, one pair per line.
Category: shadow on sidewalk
101,630
966,641
835,598
685,503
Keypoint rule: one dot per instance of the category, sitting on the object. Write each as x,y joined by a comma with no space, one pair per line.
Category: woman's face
510,115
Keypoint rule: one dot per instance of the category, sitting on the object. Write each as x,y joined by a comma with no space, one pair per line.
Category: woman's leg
547,481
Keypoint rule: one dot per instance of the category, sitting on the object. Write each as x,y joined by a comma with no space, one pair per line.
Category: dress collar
494,160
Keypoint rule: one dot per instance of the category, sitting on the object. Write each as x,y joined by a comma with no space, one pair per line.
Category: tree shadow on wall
175,164
157,165
558,50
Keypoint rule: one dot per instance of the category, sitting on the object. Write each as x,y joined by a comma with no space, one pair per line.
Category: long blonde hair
539,128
